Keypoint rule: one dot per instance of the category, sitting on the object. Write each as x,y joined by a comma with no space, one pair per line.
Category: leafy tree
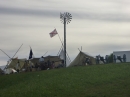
110,58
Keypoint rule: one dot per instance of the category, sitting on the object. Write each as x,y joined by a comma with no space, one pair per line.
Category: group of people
45,65
42,65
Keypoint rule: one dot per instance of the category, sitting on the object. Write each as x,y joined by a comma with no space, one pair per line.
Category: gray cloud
117,17
28,12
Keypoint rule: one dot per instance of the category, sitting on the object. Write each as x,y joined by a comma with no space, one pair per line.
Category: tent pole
63,46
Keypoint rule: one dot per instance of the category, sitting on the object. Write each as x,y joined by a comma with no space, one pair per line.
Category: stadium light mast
65,18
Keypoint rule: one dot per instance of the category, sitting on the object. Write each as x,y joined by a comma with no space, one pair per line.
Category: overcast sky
99,26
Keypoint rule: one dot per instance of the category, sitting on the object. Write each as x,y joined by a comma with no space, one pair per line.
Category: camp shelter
81,59
61,55
56,59
10,70
33,61
1,71
121,54
17,63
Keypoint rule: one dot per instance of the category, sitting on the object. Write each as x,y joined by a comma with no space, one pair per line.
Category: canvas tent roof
14,63
52,58
80,59
56,59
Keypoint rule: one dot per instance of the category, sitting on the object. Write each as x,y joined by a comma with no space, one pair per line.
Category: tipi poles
63,47
17,51
5,53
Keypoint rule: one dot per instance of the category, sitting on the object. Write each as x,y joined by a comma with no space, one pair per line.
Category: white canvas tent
81,59
17,64
121,53
61,55
10,70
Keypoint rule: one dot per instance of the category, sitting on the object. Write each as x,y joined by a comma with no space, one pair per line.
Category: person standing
41,62
53,64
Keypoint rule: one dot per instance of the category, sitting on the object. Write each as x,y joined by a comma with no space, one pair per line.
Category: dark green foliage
82,81
110,58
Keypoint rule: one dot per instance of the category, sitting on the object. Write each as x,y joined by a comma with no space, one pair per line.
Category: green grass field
110,80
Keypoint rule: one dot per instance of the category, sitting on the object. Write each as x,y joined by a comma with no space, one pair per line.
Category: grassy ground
111,80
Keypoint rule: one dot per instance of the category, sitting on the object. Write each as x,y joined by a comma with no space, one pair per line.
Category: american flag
53,33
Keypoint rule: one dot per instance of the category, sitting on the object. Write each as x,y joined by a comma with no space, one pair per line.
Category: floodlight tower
65,18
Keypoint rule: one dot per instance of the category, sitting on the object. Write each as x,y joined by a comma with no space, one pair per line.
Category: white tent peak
61,55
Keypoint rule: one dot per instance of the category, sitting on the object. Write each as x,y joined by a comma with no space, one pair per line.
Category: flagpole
60,39
64,42
59,50
63,46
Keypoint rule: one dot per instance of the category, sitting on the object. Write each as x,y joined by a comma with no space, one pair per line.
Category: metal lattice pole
65,18
65,42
